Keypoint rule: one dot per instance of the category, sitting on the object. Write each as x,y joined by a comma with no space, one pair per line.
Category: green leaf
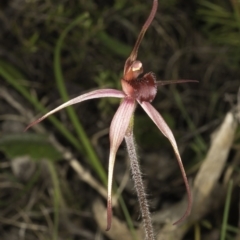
34,145
115,46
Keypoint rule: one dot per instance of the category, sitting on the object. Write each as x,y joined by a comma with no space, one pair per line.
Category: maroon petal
118,128
87,96
142,89
134,53
163,127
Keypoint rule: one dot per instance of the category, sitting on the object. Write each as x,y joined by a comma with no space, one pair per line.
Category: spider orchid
136,88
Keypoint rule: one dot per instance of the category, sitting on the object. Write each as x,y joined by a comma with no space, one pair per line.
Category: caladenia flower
137,88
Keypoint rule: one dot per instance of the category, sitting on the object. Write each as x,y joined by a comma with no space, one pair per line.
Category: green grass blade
25,93
197,232
113,45
232,229
127,217
226,210
56,198
199,140
236,8
92,157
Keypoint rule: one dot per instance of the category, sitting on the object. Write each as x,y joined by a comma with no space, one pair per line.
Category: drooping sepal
163,127
118,128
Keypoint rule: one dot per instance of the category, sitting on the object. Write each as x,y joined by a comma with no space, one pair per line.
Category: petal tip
109,215
33,123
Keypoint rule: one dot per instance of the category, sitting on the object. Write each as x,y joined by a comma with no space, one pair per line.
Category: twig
29,226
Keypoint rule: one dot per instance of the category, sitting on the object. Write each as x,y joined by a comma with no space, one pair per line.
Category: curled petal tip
109,215
186,214
32,124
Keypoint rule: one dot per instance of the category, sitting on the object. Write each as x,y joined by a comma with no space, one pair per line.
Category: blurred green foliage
221,24
17,145
92,55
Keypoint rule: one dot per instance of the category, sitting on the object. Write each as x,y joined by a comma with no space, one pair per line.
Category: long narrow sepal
163,127
87,96
133,55
167,82
118,128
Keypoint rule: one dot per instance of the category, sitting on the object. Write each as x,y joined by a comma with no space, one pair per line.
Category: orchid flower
136,88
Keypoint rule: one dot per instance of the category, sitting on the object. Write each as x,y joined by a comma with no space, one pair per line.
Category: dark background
196,40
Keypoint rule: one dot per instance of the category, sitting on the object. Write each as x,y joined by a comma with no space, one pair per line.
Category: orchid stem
138,184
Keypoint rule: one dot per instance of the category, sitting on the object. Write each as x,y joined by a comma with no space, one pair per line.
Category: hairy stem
138,184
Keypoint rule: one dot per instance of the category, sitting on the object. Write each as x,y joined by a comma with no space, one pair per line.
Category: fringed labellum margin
142,88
